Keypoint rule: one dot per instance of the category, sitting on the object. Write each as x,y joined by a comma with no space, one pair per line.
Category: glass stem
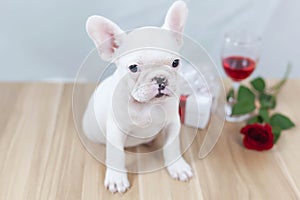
235,86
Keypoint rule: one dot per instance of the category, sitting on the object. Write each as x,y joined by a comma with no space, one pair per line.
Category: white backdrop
46,39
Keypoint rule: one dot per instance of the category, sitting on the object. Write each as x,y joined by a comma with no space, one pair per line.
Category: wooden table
41,156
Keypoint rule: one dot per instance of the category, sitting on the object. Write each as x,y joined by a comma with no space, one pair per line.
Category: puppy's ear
105,34
176,18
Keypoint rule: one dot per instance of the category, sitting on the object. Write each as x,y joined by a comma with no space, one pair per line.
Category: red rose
258,137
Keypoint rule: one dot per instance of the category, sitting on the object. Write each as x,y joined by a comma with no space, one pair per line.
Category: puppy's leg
179,168
116,179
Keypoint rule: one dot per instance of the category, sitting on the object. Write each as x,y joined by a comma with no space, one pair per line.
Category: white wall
46,39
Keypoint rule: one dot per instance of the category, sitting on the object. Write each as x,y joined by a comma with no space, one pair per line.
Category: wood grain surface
41,156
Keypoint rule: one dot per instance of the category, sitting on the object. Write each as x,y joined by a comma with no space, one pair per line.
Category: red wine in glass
238,67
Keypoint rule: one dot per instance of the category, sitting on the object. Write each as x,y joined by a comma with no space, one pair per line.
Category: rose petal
258,137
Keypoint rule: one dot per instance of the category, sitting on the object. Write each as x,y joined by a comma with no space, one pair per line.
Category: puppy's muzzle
161,81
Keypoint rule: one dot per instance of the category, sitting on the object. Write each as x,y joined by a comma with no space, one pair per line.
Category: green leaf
281,121
264,113
243,107
258,84
276,130
267,101
230,94
255,119
245,101
245,93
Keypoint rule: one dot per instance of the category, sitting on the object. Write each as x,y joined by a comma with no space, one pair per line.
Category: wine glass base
237,118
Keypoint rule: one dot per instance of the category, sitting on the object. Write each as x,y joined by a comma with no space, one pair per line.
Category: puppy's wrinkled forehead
148,57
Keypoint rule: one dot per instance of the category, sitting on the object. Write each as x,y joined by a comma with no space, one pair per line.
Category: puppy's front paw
116,181
180,170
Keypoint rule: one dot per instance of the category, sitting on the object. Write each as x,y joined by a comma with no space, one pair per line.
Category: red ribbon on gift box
182,104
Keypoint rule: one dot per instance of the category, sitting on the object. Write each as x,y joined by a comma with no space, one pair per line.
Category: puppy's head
144,54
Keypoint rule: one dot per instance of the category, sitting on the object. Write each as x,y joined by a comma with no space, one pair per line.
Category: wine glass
239,59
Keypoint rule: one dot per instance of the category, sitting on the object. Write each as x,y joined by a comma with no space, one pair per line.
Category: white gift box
195,110
197,94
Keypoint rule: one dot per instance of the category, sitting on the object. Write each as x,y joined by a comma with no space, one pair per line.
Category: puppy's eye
133,68
175,63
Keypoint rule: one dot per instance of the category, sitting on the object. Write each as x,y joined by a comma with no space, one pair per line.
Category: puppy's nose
161,81
161,86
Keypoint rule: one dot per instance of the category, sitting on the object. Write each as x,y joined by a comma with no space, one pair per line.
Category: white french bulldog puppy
118,114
